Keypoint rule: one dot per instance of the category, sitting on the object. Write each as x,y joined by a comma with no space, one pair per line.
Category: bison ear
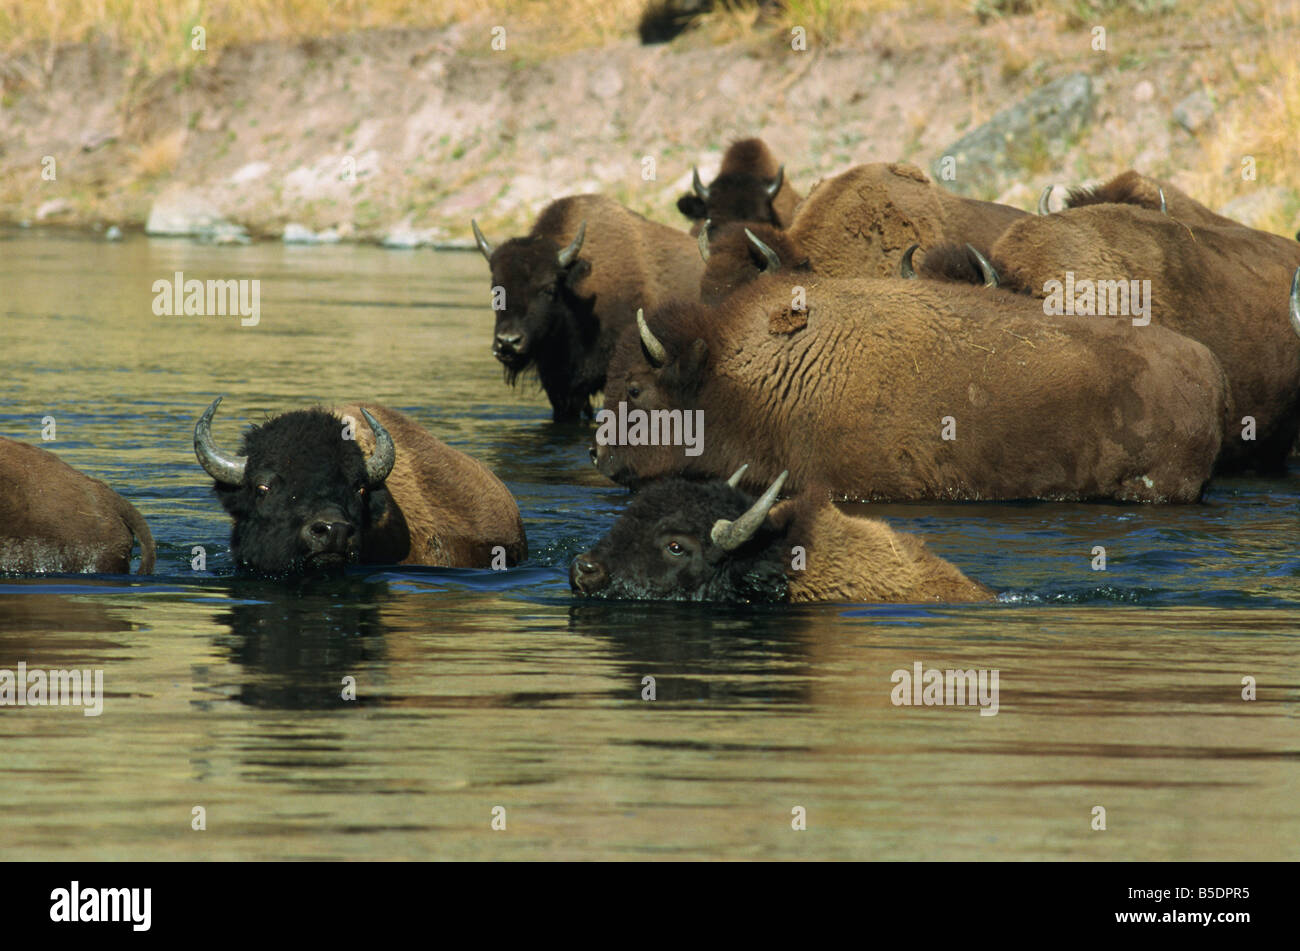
692,207
575,272
692,363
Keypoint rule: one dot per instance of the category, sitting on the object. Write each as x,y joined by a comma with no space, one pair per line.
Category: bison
1223,286
54,520
1132,188
750,186
914,390
313,490
857,224
709,541
565,291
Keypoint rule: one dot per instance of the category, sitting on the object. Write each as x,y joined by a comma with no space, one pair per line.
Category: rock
93,140
301,234
1194,111
607,83
250,172
223,232
1259,207
114,233
403,236
1144,91
993,156
53,208
181,212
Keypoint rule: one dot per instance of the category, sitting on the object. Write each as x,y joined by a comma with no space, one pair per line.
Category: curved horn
776,183
773,261
698,185
380,462
1295,301
658,355
905,266
483,244
986,269
1164,209
702,239
228,470
734,481
567,256
729,535
1043,208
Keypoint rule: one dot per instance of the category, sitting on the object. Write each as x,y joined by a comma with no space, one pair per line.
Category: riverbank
401,135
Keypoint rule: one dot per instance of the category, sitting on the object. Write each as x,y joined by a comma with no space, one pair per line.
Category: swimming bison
709,541
564,291
55,520
313,490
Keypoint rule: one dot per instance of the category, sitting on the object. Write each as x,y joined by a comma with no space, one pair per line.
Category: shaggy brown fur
53,519
451,509
863,559
1131,188
739,192
1224,286
859,224
1045,408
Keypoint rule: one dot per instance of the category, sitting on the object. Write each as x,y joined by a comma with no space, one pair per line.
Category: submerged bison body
917,390
855,225
709,541
313,490
564,291
1226,287
55,520
750,186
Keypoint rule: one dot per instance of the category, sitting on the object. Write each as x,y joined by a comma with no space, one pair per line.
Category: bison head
689,541
739,254
533,284
649,375
301,494
733,196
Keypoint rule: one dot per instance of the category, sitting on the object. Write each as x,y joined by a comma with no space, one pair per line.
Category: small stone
1194,111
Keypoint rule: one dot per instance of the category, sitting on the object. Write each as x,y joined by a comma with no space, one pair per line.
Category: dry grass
160,156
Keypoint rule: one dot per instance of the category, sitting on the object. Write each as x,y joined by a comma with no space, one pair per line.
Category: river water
489,698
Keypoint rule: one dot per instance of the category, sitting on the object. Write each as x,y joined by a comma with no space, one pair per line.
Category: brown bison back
450,510
860,223
55,519
863,559
1224,286
1132,188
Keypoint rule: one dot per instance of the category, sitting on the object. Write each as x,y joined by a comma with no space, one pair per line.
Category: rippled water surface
475,690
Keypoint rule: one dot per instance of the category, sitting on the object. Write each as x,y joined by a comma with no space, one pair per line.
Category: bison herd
880,339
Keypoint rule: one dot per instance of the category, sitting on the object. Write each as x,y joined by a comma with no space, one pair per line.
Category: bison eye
633,391
675,548
263,488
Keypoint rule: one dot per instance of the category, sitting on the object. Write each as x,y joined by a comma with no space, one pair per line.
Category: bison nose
324,536
509,341
586,575
595,456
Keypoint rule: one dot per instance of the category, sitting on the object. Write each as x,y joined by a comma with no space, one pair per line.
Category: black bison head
733,196
689,541
534,284
302,494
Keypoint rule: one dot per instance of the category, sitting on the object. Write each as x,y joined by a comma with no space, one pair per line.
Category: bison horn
1295,301
702,239
227,470
729,535
569,254
776,183
1043,208
482,241
380,462
905,267
658,355
773,261
734,481
1164,209
986,269
698,185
